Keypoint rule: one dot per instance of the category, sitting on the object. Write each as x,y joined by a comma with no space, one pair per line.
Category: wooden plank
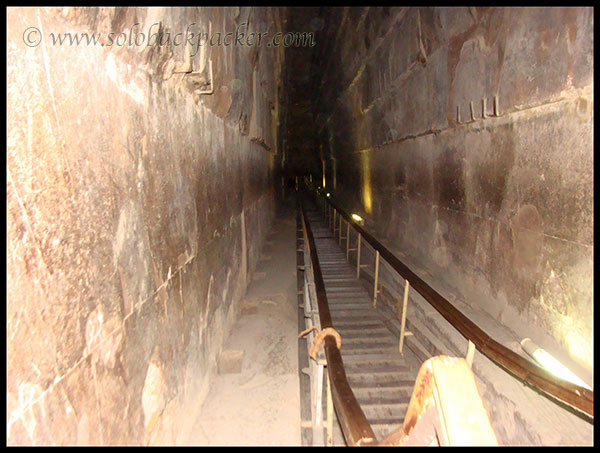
375,367
354,358
382,379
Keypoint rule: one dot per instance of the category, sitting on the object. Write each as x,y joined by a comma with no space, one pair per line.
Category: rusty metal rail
572,395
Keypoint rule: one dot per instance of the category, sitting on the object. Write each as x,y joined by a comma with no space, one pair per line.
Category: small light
328,195
358,218
550,363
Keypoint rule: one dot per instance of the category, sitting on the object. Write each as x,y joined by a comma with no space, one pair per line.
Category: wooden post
347,240
403,318
470,353
334,215
358,257
318,423
340,229
375,289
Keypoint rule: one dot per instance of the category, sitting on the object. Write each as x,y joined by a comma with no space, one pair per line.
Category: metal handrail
355,426
577,397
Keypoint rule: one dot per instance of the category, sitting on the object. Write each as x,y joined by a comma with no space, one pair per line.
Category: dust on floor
260,405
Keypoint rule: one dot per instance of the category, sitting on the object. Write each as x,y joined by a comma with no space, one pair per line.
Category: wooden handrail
355,426
579,398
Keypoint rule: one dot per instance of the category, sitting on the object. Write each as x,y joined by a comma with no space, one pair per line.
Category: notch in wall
196,79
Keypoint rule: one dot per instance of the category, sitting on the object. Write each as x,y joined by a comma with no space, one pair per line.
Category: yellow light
366,181
551,364
358,218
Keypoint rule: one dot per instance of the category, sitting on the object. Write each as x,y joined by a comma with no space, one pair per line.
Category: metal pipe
358,257
329,414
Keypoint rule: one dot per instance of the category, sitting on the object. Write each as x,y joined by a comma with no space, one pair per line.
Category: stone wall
139,191
499,202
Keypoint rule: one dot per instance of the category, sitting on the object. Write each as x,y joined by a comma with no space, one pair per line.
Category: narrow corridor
157,260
